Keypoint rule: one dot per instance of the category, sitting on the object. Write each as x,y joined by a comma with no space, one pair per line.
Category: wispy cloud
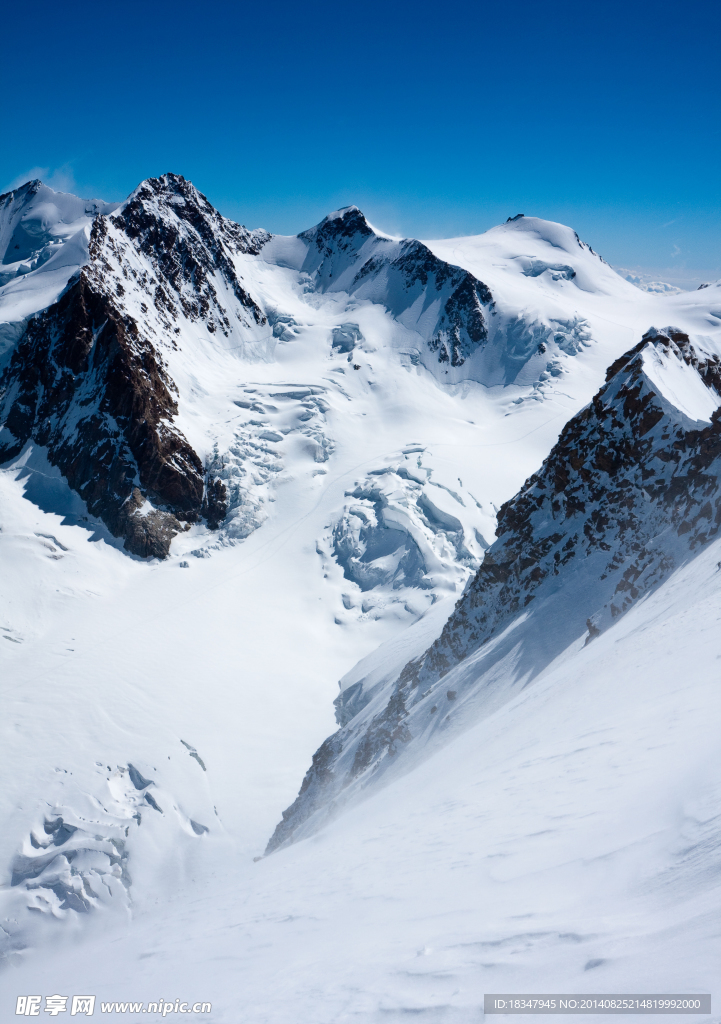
34,172
670,222
62,179
648,282
676,275
675,252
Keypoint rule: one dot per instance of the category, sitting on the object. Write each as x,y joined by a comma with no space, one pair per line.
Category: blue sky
435,118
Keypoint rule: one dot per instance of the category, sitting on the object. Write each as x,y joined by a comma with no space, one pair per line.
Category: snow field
566,843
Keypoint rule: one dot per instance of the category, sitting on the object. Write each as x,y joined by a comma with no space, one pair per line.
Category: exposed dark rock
460,327
138,780
85,384
593,632
622,470
215,503
182,257
343,232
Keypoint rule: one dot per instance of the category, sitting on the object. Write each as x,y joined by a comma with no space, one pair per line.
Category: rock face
190,247
630,490
444,303
89,378
86,384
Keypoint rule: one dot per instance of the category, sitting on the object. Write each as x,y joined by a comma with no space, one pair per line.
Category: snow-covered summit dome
34,217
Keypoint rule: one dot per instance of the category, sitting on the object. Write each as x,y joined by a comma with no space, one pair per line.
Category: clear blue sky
435,118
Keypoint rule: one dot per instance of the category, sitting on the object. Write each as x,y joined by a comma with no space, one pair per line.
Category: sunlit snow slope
569,842
43,242
239,468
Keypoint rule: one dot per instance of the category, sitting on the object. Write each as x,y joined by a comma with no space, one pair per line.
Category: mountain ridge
88,382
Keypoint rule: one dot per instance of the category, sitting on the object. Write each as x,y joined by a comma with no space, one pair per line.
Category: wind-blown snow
567,843
43,242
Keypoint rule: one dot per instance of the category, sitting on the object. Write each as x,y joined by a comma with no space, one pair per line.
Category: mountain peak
345,228
344,211
35,221
559,236
29,188
97,358
162,209
168,189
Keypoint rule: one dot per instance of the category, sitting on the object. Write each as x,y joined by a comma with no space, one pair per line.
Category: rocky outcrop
460,327
345,253
84,383
628,469
630,490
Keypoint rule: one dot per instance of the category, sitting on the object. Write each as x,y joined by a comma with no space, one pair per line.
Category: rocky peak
344,230
629,469
187,242
336,245
345,254
412,270
171,200
22,193
90,379
670,341
86,384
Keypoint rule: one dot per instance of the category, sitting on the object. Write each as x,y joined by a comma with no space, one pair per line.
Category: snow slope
361,477
43,242
568,842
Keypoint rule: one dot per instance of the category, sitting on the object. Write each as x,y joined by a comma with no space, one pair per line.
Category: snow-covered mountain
36,222
441,303
238,467
89,378
43,243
